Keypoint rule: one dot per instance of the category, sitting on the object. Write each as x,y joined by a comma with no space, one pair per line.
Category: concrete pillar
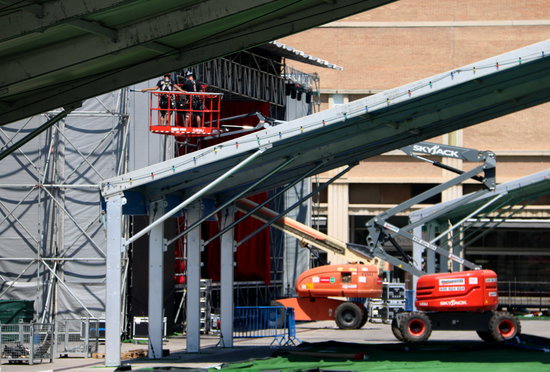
338,205
338,193
458,250
113,300
453,139
227,265
193,279
156,276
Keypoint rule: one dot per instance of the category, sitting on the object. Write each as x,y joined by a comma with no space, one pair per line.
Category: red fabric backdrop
253,257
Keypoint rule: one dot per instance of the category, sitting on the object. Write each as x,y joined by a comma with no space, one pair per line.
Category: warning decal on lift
452,281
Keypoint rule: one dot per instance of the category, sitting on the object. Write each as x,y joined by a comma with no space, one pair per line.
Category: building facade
413,39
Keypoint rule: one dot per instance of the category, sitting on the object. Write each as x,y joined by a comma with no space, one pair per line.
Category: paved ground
245,349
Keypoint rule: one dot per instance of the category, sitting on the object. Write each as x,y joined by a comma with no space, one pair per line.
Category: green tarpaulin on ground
432,356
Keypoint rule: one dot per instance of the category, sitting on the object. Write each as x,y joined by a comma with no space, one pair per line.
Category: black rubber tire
280,314
485,336
415,327
364,317
395,330
348,315
503,326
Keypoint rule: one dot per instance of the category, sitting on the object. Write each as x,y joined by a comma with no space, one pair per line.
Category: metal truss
463,232
52,177
252,76
260,79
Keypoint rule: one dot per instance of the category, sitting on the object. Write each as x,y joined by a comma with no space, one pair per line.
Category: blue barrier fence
265,321
409,300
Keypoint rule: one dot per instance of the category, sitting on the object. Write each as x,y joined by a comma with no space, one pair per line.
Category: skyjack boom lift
464,300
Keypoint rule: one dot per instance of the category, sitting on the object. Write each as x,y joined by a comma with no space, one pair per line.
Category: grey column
193,279
443,266
418,249
458,250
430,255
113,301
156,288
296,257
227,265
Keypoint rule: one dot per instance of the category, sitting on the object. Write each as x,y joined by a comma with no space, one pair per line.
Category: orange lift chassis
315,286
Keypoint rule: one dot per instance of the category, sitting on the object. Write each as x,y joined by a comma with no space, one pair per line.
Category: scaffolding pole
231,200
36,132
195,196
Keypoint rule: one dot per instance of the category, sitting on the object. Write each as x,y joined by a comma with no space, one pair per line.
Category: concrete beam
91,48
35,18
232,31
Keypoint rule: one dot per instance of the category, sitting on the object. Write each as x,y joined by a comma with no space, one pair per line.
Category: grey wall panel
296,257
146,148
92,296
41,222
21,211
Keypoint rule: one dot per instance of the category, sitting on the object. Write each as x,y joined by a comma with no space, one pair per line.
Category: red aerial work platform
189,114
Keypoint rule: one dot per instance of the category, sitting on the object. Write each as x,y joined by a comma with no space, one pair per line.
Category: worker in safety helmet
165,100
190,85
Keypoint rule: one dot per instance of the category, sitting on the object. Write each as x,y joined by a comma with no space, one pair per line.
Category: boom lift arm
381,231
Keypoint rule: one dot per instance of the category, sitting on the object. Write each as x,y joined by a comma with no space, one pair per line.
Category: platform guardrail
76,337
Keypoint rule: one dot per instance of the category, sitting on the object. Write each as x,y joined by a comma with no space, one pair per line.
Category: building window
338,99
388,193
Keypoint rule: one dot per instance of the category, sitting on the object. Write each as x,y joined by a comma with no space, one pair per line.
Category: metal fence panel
77,337
524,294
291,327
26,342
264,321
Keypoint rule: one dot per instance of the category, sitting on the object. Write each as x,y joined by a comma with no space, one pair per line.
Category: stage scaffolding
51,221
53,246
